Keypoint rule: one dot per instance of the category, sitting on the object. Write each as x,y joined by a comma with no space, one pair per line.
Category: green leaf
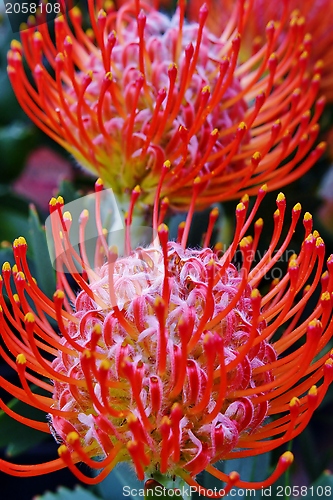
15,144
68,191
121,481
8,103
44,272
62,493
250,469
15,437
321,488
13,219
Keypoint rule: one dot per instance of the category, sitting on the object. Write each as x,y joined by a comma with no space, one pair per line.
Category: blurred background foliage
32,169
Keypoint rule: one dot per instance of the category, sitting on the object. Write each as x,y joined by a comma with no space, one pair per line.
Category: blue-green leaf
120,483
62,493
15,437
321,488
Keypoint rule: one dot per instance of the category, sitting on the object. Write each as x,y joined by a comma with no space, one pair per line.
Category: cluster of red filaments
311,12
140,88
169,358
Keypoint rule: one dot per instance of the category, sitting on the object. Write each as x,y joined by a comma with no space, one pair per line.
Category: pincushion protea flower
317,15
139,88
170,358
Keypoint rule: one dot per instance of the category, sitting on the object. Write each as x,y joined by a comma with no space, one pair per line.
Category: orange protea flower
139,88
317,15
170,358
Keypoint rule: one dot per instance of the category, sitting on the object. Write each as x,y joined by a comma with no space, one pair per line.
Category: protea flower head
139,88
317,16
170,358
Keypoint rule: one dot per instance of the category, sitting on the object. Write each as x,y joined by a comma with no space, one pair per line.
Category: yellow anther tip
314,323
158,301
288,457
15,44
240,207
29,318
280,197
165,420
87,354
76,11
21,359
6,266
72,437
59,294
131,444
313,391
246,241
255,294
97,329
105,364
131,418
234,476
62,450
67,216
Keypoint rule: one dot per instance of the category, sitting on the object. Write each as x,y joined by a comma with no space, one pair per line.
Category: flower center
158,372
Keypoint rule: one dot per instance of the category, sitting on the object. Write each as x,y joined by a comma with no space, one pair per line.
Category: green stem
159,485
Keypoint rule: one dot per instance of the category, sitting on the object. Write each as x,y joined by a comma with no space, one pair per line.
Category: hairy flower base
169,357
139,89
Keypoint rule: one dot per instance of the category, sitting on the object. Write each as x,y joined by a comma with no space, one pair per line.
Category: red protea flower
140,88
317,16
168,357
